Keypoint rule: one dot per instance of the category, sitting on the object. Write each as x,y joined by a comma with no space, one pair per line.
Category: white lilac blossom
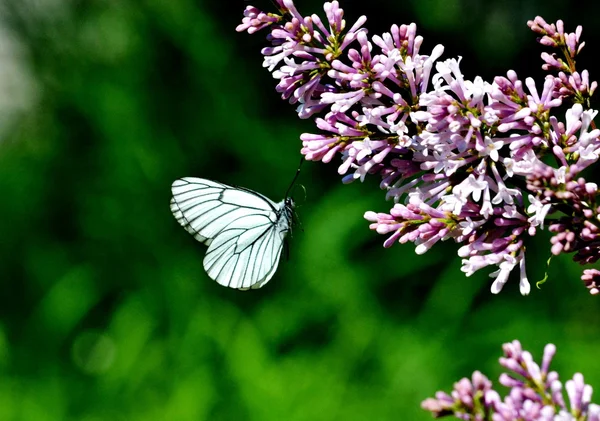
486,164
535,393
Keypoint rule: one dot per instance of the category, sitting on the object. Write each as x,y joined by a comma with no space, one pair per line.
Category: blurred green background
106,312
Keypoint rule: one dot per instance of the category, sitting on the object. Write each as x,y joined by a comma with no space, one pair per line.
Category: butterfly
243,229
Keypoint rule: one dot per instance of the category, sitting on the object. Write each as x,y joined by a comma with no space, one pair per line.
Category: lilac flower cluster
484,164
536,394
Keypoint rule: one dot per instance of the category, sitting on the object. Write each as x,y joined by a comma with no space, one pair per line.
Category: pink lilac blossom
535,393
486,164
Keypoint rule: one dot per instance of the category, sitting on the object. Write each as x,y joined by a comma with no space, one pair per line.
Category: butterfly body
243,229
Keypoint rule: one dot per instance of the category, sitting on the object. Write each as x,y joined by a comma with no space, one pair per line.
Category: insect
243,229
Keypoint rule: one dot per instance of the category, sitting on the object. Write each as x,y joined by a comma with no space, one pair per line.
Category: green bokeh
106,312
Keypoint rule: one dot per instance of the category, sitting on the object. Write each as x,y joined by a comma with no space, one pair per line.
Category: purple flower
535,394
591,279
303,49
483,164
467,401
255,20
553,35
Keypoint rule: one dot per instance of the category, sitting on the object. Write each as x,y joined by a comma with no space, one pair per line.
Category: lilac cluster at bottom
535,393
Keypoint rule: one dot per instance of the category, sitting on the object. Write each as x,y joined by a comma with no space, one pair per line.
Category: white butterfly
243,229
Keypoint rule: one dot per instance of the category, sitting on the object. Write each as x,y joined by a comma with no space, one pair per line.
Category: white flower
560,174
491,148
508,166
502,273
589,153
526,165
471,187
524,286
468,226
511,212
487,209
539,211
593,412
341,102
505,195
453,203
572,117
585,137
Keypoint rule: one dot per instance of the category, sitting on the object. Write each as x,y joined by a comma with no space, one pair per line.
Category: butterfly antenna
287,193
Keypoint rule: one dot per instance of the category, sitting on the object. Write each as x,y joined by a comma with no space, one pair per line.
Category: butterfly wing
246,253
204,207
243,229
